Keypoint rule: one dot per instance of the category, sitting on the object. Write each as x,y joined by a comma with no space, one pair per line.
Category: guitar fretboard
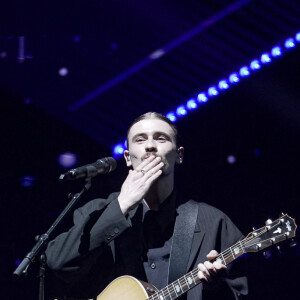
191,279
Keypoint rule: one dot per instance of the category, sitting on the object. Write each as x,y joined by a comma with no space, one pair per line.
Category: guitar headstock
282,229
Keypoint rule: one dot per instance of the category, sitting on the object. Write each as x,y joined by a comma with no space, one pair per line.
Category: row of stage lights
223,84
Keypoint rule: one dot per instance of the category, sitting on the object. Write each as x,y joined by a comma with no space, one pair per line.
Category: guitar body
127,288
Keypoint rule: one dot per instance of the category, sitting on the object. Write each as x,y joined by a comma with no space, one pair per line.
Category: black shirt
158,227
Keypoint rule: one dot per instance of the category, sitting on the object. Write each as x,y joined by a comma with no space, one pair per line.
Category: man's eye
162,138
140,139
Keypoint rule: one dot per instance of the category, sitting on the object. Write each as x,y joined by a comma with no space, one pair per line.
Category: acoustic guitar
129,288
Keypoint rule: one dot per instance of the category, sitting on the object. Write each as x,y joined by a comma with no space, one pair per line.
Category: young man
147,230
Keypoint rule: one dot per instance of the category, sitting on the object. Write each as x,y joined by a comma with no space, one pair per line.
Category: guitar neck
191,279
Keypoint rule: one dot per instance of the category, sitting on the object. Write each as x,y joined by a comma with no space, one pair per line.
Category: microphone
101,166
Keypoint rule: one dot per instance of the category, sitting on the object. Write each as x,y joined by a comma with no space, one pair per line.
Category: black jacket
104,244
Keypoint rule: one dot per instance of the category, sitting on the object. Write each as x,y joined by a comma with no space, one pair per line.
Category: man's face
152,136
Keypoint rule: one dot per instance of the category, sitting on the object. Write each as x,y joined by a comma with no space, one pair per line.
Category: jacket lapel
197,241
187,239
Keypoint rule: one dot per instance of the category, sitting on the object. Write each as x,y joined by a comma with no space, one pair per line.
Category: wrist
123,207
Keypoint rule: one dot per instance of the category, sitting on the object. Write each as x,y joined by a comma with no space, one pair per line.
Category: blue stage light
223,84
289,43
234,78
212,91
27,181
276,51
171,116
67,160
181,111
202,97
244,71
255,65
191,104
265,58
119,149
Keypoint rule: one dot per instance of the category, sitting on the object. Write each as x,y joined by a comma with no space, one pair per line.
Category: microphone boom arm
43,239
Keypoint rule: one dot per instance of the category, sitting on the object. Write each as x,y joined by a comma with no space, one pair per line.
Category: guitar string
225,254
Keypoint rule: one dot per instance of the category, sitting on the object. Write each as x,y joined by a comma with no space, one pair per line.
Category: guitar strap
182,239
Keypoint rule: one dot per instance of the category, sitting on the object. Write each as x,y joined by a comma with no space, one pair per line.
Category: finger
152,164
147,165
153,170
143,167
203,269
221,270
210,267
202,276
133,175
212,254
144,163
218,266
153,177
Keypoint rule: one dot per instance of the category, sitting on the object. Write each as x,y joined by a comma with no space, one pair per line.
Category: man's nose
150,146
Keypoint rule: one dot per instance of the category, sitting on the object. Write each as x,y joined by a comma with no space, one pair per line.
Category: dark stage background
257,122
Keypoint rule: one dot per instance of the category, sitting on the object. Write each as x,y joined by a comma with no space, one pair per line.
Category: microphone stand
43,239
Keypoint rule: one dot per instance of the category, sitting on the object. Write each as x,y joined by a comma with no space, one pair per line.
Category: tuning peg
254,228
279,249
282,214
268,222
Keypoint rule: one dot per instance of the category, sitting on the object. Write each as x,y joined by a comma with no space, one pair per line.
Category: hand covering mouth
146,155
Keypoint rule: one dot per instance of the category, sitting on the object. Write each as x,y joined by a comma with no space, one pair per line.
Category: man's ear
179,158
127,158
